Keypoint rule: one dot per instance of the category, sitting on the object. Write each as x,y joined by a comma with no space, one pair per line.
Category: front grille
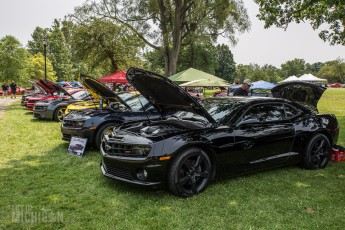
122,173
32,101
40,107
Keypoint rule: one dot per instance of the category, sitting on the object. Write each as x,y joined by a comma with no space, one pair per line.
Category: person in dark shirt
243,90
13,87
4,89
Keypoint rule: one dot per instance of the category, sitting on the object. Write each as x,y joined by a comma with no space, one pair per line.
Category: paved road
5,102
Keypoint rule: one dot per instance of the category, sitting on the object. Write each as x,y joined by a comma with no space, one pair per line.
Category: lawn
42,187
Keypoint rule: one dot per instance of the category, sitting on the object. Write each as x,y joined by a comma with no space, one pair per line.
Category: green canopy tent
192,74
205,83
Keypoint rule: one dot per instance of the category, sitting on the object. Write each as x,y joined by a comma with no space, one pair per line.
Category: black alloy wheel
318,152
59,113
190,173
105,129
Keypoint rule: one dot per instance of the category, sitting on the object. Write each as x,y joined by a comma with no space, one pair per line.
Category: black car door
262,137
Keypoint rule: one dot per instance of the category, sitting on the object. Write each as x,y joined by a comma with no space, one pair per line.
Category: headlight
115,149
73,124
139,150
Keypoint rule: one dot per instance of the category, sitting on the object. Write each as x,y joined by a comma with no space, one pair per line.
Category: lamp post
45,58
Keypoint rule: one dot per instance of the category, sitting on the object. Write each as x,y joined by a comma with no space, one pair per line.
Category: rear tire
104,129
317,153
190,172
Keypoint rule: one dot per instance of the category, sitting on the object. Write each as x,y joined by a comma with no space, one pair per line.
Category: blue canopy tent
259,88
262,88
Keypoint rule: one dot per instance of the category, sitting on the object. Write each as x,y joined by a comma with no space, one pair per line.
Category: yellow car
97,94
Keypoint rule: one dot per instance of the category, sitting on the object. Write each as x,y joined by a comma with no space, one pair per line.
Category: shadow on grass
58,169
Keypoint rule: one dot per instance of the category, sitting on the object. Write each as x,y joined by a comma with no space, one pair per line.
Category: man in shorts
4,89
13,87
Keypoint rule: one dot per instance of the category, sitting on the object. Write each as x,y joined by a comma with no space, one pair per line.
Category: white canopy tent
311,78
291,78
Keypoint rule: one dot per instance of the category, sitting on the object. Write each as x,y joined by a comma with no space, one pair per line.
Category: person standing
13,87
4,89
243,89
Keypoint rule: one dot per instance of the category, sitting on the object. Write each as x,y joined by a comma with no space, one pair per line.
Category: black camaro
94,123
229,135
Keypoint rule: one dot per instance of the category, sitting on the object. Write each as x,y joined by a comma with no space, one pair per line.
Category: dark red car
336,85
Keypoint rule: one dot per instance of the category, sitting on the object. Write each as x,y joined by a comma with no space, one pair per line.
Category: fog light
142,174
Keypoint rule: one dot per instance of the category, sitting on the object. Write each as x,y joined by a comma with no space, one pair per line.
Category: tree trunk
171,51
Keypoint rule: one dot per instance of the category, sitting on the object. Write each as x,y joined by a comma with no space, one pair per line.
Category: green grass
42,187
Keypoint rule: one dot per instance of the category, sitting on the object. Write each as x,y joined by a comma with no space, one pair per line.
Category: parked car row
163,137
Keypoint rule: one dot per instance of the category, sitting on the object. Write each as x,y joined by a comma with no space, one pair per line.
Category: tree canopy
167,25
13,60
325,14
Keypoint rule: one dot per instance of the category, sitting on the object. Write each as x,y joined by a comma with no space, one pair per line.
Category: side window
264,113
291,111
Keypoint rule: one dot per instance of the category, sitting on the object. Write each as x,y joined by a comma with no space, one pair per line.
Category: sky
261,46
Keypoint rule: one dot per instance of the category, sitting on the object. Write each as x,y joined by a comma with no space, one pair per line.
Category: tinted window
265,113
291,111
222,110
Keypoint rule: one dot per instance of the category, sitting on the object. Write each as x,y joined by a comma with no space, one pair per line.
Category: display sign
77,146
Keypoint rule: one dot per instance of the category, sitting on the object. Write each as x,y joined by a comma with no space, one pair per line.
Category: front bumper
68,133
43,114
127,170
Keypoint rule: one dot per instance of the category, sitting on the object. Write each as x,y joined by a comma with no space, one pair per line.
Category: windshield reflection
220,110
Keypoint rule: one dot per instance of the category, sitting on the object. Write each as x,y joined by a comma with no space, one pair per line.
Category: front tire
59,113
317,152
190,173
103,130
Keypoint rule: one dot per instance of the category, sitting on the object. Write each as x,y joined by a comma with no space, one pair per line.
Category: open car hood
166,96
57,88
304,93
98,88
38,87
47,88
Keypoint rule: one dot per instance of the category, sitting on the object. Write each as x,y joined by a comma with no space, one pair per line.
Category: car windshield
136,102
80,95
124,96
222,110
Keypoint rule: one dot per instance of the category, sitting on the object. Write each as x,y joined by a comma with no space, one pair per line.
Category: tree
104,44
293,67
198,55
58,50
60,54
256,73
333,71
13,61
226,66
36,68
167,25
313,68
320,13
